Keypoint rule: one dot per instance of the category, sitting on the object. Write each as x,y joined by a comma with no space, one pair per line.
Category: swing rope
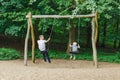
78,25
52,29
51,32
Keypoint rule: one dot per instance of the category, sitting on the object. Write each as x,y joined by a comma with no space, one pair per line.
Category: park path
58,70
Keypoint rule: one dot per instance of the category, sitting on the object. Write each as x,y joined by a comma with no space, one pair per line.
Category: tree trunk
71,36
94,44
104,35
33,37
88,40
26,43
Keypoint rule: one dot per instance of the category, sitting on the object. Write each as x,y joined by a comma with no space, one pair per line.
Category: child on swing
74,51
42,48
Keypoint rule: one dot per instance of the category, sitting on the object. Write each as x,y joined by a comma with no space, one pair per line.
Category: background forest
13,23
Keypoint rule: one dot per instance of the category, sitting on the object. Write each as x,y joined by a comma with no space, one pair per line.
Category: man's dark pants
46,56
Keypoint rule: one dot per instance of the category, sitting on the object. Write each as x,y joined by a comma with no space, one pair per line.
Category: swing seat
74,52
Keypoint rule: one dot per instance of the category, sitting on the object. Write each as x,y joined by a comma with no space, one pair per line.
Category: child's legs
47,56
74,56
71,55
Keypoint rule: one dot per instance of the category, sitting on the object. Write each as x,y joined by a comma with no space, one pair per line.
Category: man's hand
49,39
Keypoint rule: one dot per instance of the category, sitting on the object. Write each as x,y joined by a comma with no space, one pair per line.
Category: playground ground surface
58,70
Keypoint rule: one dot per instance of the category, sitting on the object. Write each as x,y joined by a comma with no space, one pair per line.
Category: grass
85,54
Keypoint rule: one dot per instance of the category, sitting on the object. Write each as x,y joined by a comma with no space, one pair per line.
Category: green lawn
84,54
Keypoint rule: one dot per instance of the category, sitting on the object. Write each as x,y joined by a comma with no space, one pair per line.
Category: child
74,51
42,47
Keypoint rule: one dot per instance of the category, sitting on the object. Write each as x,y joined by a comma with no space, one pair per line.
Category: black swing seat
74,52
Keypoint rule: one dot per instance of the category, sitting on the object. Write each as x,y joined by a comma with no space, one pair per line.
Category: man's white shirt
41,45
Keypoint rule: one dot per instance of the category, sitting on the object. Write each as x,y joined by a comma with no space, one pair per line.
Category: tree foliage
13,12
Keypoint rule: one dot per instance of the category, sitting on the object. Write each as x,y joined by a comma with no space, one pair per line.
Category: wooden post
96,26
30,25
62,16
26,43
93,43
33,38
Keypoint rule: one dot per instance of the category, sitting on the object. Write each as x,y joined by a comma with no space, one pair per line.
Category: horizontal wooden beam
62,16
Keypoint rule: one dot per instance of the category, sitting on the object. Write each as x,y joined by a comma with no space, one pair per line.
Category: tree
13,21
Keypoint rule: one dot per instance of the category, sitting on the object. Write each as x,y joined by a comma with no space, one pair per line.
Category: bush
9,54
117,57
85,54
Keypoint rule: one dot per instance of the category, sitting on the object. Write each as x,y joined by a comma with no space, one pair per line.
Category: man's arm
48,40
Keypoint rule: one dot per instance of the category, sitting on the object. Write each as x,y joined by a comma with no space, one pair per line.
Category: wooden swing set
30,28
